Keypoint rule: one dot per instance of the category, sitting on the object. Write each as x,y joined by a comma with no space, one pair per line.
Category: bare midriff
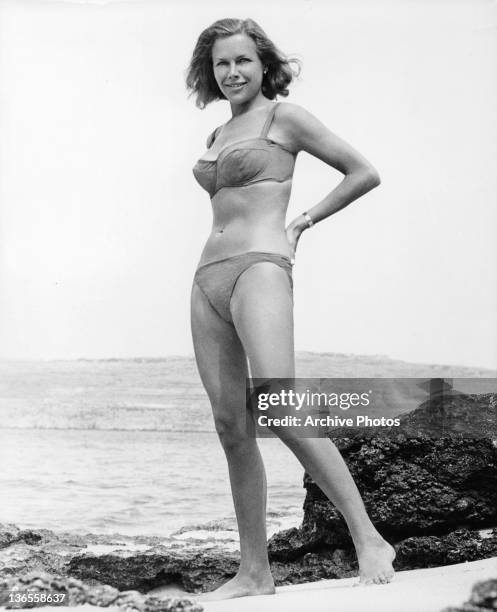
248,218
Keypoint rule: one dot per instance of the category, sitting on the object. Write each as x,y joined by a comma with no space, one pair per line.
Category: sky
102,223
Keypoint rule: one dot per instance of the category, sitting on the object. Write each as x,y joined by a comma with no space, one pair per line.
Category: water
134,482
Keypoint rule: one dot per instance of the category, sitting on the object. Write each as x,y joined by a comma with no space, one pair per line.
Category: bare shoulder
301,127
292,112
305,132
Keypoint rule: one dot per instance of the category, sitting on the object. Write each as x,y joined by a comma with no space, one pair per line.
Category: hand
293,233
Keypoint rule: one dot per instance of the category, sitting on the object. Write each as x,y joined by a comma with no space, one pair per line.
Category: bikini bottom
217,279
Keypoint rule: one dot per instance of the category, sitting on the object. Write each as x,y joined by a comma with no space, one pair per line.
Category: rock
8,534
456,547
483,598
428,496
412,553
158,566
469,415
323,565
411,487
73,592
20,558
125,574
125,568
291,544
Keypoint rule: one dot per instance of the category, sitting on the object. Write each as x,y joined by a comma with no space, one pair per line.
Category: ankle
370,540
255,573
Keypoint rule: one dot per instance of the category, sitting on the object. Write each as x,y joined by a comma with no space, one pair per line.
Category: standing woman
242,302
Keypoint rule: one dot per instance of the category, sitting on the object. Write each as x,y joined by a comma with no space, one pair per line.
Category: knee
232,431
290,436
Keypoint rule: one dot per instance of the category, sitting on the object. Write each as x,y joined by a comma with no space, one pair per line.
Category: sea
124,447
127,446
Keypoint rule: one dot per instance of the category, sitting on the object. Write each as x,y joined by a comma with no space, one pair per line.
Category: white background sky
102,224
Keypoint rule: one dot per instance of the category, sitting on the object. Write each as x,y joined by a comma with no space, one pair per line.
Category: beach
123,464
423,590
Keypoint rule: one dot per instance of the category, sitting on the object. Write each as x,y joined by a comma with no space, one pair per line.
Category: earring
265,71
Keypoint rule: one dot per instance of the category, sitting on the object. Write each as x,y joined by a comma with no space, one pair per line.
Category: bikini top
246,162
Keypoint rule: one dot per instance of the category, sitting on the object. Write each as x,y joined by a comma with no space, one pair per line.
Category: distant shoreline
299,355
187,431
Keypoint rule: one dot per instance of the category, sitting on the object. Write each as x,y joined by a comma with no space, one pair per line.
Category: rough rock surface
434,474
144,571
469,415
412,553
429,495
456,547
294,560
52,590
411,487
42,561
483,598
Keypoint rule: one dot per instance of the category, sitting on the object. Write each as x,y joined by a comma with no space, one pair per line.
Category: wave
225,528
162,394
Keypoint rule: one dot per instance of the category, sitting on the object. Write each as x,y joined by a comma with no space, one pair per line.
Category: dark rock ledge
124,577
41,561
430,488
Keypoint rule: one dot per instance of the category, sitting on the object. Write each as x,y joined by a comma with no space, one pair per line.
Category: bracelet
307,217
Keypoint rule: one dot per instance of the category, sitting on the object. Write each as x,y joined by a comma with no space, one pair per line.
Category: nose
233,70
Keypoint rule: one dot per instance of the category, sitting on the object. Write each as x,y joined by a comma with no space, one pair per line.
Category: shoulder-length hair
200,75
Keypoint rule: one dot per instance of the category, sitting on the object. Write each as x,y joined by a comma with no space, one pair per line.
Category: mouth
235,86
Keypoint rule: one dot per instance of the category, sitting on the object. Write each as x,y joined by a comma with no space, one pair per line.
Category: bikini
246,162
242,163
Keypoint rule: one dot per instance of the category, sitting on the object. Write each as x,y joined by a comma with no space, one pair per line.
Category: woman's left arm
306,133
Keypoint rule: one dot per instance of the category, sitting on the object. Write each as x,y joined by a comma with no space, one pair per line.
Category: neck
260,101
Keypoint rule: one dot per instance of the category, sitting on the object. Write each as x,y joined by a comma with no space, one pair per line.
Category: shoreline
420,590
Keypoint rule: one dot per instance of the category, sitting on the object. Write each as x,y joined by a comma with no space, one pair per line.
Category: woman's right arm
305,132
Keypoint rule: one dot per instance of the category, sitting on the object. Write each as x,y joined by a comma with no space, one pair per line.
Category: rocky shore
433,497
434,479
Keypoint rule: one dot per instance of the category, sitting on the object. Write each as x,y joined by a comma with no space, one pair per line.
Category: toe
382,578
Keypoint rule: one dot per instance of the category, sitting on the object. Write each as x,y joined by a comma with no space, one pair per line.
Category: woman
241,302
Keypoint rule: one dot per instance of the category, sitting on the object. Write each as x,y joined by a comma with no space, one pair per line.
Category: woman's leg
262,310
222,366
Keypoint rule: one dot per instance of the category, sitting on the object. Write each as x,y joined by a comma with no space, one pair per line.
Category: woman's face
237,68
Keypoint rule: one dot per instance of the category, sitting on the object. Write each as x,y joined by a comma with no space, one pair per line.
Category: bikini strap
269,120
212,137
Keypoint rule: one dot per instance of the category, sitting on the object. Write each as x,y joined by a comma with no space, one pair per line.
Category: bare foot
241,586
375,562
